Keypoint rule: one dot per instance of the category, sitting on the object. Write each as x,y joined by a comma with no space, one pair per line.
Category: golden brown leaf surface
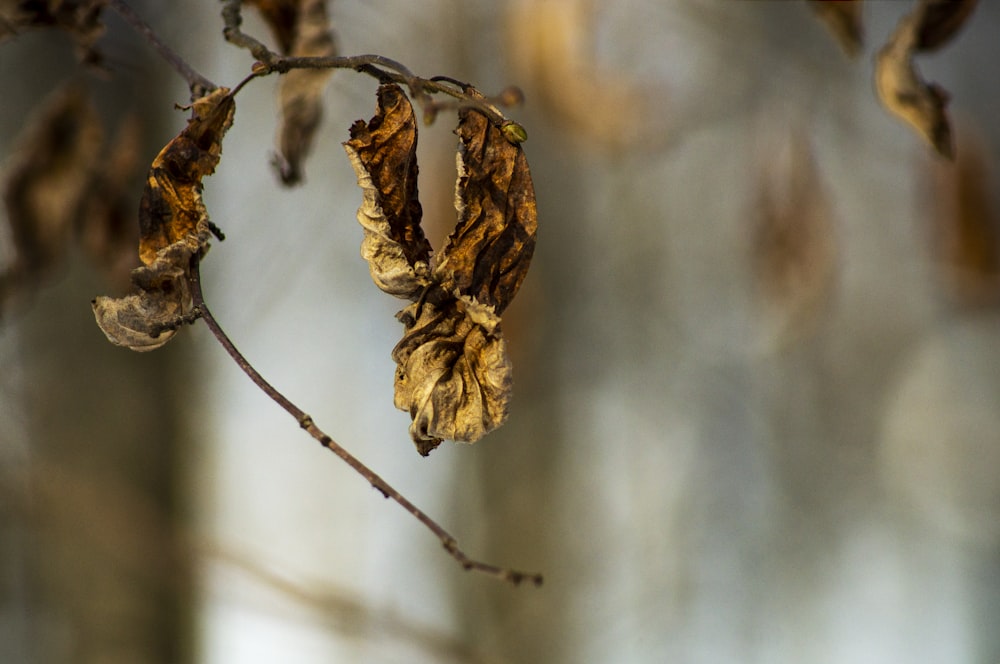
173,226
486,257
899,84
453,374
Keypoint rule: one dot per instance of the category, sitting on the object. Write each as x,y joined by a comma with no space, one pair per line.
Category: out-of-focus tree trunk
94,565
695,487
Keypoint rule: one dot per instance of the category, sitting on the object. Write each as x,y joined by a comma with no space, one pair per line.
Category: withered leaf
453,374
45,185
900,87
843,18
81,18
173,227
486,257
383,153
302,28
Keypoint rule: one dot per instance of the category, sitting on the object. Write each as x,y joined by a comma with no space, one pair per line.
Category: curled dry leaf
81,18
383,153
486,257
900,87
45,186
302,29
843,19
453,374
173,229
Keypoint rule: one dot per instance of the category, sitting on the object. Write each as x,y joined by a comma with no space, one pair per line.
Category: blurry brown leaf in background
899,84
173,226
45,186
552,53
81,18
794,252
453,374
843,18
966,223
302,29
941,20
108,232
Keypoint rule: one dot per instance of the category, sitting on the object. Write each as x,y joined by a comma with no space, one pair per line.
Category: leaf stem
198,84
306,422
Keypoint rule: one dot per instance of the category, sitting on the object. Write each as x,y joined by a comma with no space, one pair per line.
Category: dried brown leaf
45,185
302,28
81,18
843,19
453,374
486,257
900,87
173,227
452,371
383,153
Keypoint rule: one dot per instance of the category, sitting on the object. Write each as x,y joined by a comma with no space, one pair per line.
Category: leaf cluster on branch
453,374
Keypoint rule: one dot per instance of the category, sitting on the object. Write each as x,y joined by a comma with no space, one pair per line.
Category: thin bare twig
306,422
199,85
383,68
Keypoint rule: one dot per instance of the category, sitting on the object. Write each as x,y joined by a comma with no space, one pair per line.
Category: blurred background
756,360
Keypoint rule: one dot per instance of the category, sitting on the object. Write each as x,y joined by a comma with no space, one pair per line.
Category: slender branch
306,422
269,62
198,84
